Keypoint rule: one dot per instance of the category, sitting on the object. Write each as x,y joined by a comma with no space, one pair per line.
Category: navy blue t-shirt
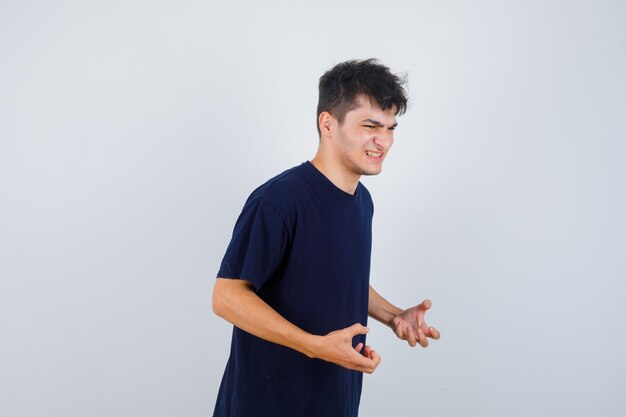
305,245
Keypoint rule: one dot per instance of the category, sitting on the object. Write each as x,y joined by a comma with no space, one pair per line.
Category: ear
325,122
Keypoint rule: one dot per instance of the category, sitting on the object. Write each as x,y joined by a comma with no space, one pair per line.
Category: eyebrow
379,124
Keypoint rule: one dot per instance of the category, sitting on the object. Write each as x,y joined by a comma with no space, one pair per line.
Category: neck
337,173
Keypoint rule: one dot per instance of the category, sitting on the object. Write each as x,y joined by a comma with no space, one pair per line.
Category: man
295,277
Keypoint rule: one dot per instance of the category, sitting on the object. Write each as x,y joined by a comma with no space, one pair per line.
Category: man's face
365,137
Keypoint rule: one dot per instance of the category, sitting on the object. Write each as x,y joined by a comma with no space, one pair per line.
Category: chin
371,171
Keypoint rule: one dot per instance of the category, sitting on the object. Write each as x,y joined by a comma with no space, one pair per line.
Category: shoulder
283,192
365,194
366,197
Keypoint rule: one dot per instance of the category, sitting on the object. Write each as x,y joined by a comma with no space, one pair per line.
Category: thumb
426,304
357,328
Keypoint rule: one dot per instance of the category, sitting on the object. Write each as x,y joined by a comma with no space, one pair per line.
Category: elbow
218,303
228,296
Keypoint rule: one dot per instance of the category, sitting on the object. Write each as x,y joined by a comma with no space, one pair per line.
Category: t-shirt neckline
332,187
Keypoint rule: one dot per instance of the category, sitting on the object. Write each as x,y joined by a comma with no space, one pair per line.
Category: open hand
336,347
410,325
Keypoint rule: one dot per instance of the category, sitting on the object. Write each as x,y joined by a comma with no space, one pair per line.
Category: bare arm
382,310
407,324
236,301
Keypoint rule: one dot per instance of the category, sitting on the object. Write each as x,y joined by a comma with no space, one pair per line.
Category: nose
384,140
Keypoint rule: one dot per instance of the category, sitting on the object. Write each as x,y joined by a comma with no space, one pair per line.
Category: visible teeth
373,154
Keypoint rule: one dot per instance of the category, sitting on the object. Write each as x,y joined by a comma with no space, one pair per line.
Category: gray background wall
132,132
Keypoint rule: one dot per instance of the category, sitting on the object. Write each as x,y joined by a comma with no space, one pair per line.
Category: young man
295,277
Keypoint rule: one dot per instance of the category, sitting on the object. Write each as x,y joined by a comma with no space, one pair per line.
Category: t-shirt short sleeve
257,246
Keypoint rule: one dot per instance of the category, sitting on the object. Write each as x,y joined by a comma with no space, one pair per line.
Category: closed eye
373,124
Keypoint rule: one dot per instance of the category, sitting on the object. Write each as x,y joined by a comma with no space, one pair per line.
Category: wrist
391,316
311,345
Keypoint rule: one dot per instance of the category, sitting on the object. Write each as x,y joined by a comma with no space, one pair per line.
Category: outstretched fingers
423,307
434,333
412,327
411,336
421,338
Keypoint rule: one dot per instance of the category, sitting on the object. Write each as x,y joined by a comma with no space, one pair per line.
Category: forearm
236,301
380,309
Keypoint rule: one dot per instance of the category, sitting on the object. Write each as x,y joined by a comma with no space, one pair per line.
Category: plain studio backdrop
131,133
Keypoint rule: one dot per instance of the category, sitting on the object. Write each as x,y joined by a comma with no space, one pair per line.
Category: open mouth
373,154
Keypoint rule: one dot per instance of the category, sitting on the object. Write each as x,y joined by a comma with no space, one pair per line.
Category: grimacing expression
365,136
